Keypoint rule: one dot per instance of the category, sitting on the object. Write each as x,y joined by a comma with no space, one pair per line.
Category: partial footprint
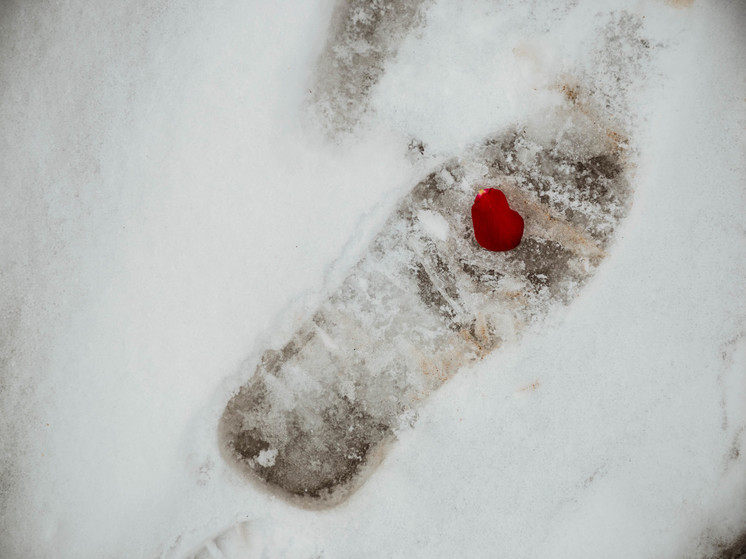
363,37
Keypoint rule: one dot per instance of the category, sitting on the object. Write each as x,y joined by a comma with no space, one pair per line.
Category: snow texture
186,185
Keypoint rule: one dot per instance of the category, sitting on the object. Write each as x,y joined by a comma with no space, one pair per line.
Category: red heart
496,226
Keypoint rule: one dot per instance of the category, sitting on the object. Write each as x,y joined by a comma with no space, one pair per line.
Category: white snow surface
169,208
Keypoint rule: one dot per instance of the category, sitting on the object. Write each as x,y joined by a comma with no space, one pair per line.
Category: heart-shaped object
496,226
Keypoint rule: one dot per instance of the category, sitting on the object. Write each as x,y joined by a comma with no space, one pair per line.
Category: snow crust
170,207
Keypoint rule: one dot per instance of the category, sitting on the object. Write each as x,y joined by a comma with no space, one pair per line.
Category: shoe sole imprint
315,418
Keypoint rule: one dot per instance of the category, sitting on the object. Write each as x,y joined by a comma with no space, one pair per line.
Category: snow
171,208
434,223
